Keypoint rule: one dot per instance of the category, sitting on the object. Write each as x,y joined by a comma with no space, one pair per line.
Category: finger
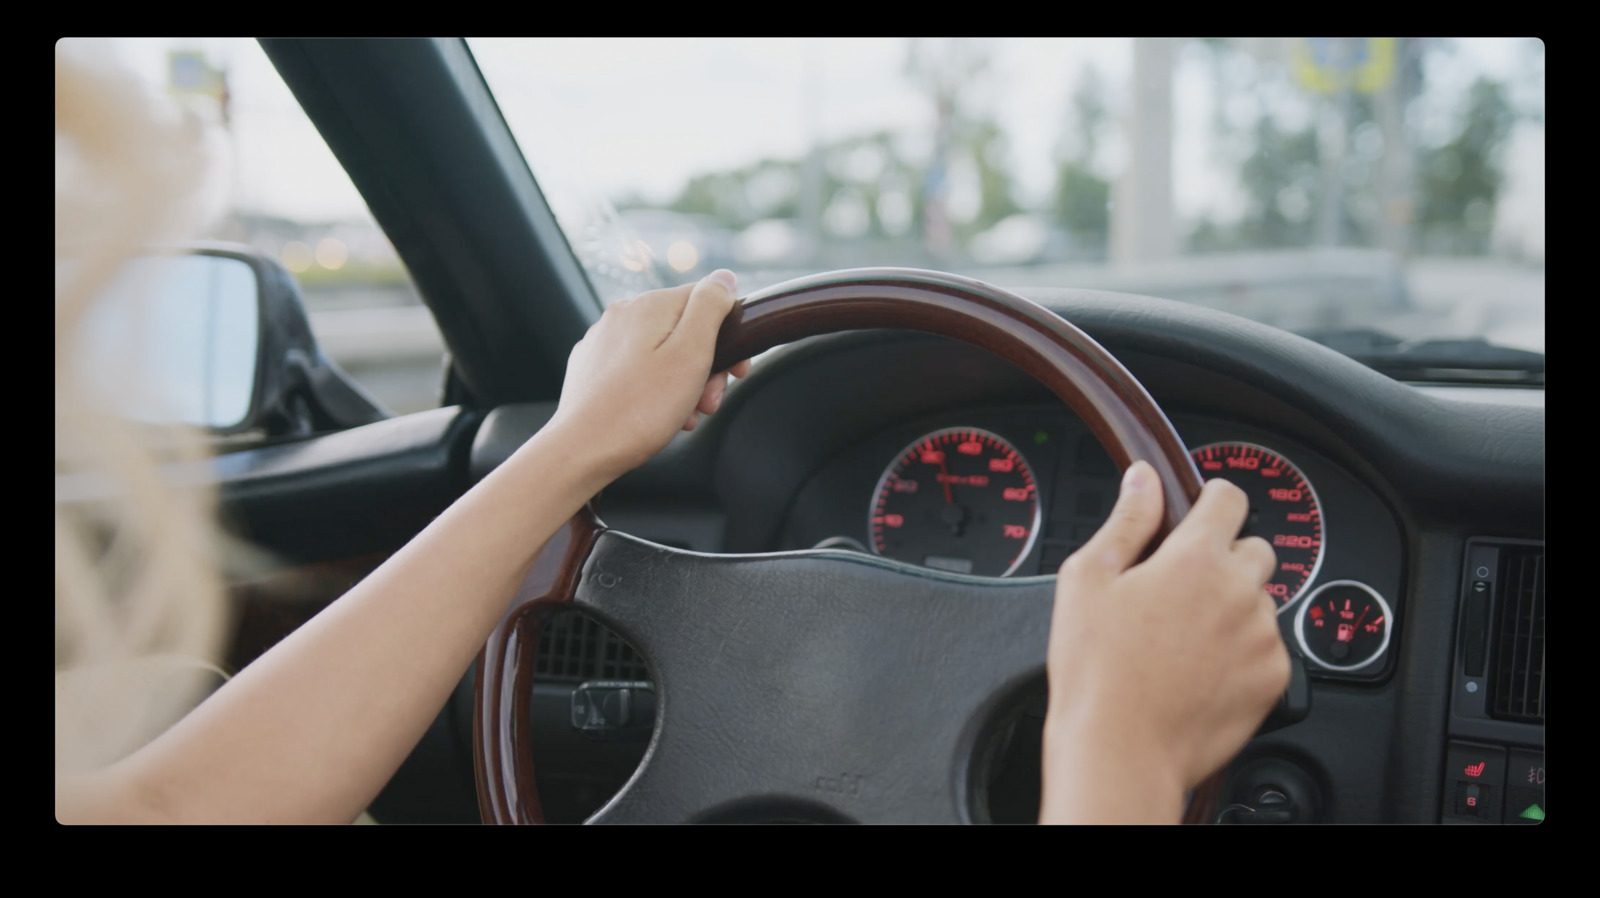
1132,524
711,396
709,303
1217,515
655,315
1258,557
741,370
1271,604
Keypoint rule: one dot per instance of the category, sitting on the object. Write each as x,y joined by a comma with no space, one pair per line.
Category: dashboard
893,494
1393,508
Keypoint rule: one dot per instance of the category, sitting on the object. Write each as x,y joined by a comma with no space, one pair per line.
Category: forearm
314,728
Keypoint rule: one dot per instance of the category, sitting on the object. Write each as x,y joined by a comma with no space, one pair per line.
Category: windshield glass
1391,184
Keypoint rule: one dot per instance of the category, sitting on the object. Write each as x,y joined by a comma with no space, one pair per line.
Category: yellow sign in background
188,73
1329,65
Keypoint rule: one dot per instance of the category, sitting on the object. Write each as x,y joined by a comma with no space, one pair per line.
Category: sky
613,117
747,100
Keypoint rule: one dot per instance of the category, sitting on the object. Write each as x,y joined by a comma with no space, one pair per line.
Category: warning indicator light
1475,770
1534,812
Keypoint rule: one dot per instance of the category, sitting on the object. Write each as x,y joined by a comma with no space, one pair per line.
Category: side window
275,185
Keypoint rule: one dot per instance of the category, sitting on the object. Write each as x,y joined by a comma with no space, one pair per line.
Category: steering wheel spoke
769,670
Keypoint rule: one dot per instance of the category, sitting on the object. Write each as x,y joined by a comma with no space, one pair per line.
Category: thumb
1132,524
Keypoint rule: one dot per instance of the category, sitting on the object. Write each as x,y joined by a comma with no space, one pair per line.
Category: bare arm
314,728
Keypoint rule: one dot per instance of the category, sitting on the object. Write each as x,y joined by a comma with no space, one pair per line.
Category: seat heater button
1469,765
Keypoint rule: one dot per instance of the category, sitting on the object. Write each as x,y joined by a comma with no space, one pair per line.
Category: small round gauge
961,500
1343,625
1283,510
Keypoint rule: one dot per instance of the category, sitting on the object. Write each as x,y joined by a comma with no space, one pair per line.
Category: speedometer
1283,510
961,500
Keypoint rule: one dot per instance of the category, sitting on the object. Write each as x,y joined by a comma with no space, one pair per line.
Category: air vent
575,647
1519,636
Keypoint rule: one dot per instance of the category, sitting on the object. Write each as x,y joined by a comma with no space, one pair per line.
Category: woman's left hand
643,371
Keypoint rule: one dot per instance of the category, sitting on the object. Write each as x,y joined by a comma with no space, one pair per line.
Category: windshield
1316,184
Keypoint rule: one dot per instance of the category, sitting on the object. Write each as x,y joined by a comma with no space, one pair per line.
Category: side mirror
217,336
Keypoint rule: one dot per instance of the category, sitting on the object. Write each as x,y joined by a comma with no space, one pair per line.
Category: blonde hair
139,609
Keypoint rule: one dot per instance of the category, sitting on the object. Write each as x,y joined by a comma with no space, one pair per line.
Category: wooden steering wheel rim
1097,387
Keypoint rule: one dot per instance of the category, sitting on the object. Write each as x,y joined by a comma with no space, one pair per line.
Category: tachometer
960,499
1283,510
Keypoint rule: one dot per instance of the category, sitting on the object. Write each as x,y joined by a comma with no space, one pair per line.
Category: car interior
1407,508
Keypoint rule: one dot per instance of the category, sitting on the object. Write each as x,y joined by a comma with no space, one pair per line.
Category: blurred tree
1083,197
1280,169
1282,179
859,181
989,147
1454,184
1460,180
951,72
1083,205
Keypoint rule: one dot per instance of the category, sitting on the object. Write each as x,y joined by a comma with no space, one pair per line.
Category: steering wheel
819,685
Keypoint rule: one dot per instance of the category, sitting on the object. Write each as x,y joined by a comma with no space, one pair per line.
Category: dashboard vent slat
1519,675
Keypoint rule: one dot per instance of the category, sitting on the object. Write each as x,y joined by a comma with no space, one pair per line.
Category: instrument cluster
1006,494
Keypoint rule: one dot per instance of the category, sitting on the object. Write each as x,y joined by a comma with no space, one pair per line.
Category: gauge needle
944,480
1361,618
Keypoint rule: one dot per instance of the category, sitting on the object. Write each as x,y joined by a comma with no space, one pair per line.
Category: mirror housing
299,390
219,338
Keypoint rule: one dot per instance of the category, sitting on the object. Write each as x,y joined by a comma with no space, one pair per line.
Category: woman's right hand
1159,670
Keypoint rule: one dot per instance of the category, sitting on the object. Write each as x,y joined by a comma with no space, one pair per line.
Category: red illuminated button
1472,800
1474,783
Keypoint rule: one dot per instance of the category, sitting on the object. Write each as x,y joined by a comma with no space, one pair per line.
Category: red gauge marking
1283,509
986,514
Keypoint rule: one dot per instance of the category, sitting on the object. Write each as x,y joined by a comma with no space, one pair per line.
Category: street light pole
811,173
1396,208
1141,209
1334,138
